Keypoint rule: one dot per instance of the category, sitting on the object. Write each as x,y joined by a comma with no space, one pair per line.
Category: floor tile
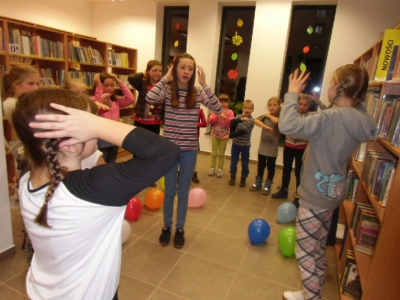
7,293
212,246
247,286
200,216
161,294
269,263
215,201
241,207
18,282
146,221
149,261
230,224
13,265
131,288
192,278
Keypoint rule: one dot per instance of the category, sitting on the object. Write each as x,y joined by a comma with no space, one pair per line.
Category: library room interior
246,235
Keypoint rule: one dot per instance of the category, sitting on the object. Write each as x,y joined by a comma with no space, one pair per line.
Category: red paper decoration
233,74
178,26
306,49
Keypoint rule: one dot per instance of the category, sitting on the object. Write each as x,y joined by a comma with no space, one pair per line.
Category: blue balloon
259,230
287,212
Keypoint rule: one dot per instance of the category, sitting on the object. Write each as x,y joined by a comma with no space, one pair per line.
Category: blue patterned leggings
312,227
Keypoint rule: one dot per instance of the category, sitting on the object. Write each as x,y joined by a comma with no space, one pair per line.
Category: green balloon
234,56
287,241
310,30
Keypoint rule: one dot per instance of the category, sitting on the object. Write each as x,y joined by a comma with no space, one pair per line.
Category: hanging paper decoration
237,39
310,30
240,22
303,67
176,44
234,56
178,26
233,74
306,49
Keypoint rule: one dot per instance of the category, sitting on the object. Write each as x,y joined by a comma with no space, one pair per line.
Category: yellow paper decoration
237,39
176,44
240,22
303,67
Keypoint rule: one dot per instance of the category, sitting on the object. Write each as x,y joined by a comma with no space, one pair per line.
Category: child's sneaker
297,295
165,236
179,240
211,172
219,173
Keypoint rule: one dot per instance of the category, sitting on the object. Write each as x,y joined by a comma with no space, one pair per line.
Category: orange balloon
154,198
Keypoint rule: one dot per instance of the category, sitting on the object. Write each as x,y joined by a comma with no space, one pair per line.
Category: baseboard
8,253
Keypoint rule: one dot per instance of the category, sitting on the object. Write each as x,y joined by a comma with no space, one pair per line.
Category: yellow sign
390,39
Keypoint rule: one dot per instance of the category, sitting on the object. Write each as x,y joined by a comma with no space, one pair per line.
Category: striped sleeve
209,100
158,93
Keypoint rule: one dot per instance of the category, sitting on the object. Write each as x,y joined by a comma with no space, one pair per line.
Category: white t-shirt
91,161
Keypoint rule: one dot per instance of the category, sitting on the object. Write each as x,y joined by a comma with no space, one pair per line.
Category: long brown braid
353,83
43,153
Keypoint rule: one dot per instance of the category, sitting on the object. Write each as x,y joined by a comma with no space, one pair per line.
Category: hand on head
79,125
170,74
297,82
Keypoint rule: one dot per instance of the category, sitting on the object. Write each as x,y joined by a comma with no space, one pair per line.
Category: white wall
71,15
131,24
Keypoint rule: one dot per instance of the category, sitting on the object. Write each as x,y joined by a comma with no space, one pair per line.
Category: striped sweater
181,123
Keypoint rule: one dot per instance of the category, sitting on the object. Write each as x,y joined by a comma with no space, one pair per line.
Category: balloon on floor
154,198
287,241
287,212
126,231
259,231
133,209
197,197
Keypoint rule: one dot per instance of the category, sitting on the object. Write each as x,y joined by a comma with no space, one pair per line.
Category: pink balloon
197,197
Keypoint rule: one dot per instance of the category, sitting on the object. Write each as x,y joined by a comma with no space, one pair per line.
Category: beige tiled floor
218,262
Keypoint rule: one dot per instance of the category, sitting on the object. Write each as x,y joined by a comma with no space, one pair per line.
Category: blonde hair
224,96
71,81
306,97
16,75
277,99
249,102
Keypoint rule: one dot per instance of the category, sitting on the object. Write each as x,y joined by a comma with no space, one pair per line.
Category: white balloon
126,231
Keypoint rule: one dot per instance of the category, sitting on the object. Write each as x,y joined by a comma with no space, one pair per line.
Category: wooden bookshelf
380,272
60,55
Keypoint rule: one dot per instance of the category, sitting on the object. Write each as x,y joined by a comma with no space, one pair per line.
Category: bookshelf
380,272
58,54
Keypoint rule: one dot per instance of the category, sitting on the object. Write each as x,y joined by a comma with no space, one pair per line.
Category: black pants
110,153
266,161
290,154
116,295
153,128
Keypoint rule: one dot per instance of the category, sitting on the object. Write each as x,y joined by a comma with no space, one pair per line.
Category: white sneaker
297,295
211,172
219,173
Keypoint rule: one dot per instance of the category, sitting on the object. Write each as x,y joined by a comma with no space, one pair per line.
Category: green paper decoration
234,56
303,67
310,30
306,49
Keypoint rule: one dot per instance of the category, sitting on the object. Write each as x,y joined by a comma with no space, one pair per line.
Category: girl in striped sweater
182,104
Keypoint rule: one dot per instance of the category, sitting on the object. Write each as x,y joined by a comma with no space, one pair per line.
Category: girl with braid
333,135
74,217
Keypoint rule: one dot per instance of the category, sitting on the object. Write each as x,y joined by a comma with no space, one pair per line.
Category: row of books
1,40
378,173
86,77
87,55
386,112
52,77
119,59
351,186
21,60
350,283
24,42
370,65
365,226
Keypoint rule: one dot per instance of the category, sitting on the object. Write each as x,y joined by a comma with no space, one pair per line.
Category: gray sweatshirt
333,134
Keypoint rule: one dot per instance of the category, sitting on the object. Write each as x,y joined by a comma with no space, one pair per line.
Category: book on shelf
352,286
1,40
359,154
391,38
351,185
340,233
349,259
357,213
393,62
343,246
367,232
385,196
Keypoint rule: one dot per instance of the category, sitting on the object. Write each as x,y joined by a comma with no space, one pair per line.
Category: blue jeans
186,163
237,151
